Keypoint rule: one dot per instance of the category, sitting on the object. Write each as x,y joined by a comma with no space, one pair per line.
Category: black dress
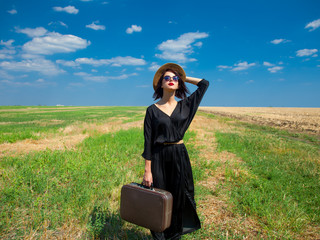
170,164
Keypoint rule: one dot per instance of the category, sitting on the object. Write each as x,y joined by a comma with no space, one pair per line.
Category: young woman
167,163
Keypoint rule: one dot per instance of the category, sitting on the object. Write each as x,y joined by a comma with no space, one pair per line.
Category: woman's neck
168,97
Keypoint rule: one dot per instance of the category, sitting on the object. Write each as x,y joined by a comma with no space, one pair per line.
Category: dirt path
215,208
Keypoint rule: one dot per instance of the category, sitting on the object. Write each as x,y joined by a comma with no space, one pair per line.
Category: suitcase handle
143,186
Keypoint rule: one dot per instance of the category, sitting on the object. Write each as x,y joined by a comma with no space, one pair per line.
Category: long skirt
171,171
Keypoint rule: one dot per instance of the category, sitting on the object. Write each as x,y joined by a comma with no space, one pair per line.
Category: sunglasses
174,78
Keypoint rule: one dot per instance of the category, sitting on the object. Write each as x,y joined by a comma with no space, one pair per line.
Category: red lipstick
171,84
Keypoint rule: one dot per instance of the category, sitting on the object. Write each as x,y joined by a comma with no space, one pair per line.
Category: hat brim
165,67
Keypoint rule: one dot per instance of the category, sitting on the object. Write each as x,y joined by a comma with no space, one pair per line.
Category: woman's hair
181,92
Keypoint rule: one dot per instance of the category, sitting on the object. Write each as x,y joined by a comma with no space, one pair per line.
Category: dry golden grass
68,138
41,123
27,109
295,119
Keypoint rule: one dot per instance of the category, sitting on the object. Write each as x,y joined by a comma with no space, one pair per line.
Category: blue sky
105,52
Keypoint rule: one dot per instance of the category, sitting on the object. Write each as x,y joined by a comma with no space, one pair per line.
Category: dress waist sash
169,143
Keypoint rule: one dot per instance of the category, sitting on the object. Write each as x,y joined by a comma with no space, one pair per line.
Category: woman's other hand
147,177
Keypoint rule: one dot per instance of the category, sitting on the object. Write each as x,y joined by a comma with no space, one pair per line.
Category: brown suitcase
149,208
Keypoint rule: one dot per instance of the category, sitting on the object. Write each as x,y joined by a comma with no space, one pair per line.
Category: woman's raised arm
193,80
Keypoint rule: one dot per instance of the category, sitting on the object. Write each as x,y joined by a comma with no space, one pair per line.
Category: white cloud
242,66
6,53
8,50
90,77
198,44
179,49
123,76
154,67
96,78
82,74
119,61
33,32
67,63
238,66
183,43
40,65
280,40
92,61
275,69
7,43
68,9
55,43
16,84
178,57
313,25
272,67
95,26
5,56
134,28
12,11
250,81
221,67
268,64
58,23
30,56
131,61
38,83
116,61
306,52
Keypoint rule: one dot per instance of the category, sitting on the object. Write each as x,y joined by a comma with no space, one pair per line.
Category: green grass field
75,193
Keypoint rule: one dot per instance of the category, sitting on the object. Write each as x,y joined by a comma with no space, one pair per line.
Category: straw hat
165,67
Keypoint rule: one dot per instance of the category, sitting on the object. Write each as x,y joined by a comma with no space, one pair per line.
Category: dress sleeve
193,101
147,153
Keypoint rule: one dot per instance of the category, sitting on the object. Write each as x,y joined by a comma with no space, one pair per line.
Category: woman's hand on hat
193,80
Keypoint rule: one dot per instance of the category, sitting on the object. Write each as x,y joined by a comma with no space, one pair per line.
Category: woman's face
170,81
